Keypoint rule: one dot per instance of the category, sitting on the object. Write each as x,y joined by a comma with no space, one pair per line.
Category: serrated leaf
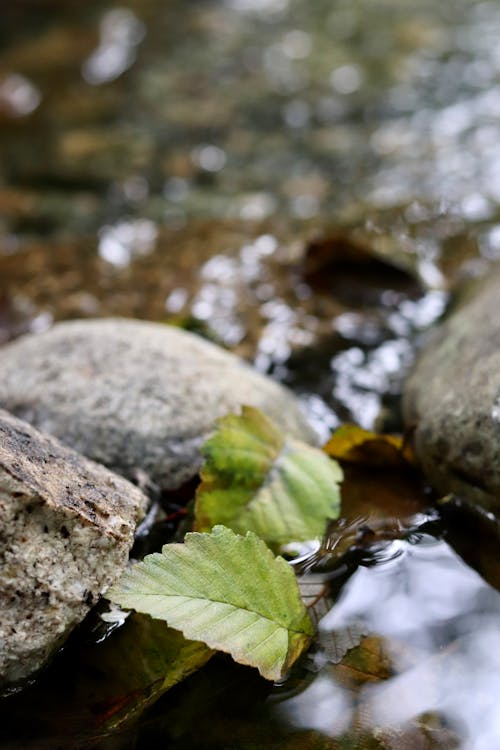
334,645
228,591
254,479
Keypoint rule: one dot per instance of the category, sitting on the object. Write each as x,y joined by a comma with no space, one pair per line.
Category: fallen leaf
100,686
133,667
354,445
254,479
384,496
228,591
367,663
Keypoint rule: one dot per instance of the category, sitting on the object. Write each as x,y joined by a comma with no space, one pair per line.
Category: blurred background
172,160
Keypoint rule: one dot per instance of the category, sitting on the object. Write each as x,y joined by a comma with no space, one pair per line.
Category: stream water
217,164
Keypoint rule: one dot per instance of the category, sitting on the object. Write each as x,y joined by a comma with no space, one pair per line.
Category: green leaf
228,591
256,480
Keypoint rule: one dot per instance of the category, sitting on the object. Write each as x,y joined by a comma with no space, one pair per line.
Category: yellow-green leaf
228,591
255,479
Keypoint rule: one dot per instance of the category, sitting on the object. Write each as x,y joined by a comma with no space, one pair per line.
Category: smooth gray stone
134,395
66,529
452,399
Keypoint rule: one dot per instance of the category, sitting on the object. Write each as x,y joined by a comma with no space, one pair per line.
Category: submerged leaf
133,667
334,645
256,480
228,591
368,662
100,684
330,645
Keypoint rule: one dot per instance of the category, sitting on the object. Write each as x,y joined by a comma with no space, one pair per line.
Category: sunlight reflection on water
18,95
121,243
441,625
120,32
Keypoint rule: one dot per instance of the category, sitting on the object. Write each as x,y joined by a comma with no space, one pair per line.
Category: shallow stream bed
303,183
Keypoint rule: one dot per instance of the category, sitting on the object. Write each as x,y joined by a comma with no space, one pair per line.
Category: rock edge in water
135,395
452,399
66,529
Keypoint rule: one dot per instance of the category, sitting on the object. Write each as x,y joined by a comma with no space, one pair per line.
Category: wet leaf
428,732
315,595
228,591
336,644
254,479
329,645
354,445
384,496
96,687
135,666
367,663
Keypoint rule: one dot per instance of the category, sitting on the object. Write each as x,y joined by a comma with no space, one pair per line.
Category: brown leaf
369,662
353,444
382,493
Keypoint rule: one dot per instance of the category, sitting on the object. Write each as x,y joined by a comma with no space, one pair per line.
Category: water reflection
324,706
229,281
461,684
297,114
18,95
260,8
254,206
361,379
121,242
297,44
346,79
421,608
439,625
176,300
120,34
209,157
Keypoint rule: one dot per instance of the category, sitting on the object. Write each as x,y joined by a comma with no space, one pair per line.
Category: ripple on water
439,625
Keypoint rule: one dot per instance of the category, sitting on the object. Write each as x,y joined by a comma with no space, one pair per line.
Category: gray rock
134,395
452,399
66,528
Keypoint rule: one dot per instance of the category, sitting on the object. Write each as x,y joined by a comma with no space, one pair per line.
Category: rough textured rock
66,528
134,395
452,399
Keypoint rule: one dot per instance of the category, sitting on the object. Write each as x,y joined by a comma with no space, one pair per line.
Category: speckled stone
452,399
66,529
135,395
